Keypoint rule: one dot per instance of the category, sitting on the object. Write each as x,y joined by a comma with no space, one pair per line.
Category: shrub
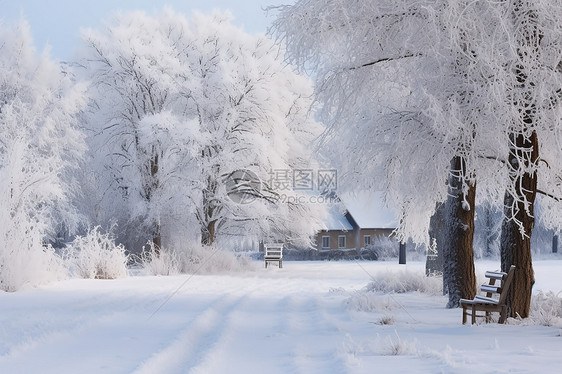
385,248
29,266
96,255
192,260
400,347
163,262
546,310
364,301
405,281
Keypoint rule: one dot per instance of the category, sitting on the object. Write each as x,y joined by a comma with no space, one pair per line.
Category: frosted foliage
405,281
162,262
179,105
408,85
193,260
39,146
95,255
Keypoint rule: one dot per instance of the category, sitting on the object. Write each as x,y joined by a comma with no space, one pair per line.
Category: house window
325,242
341,241
367,240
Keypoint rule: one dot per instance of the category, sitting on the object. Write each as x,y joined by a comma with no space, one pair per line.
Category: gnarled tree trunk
458,270
523,156
518,224
157,231
208,234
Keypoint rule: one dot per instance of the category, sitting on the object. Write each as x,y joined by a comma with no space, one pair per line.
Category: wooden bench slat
485,299
495,274
480,300
490,288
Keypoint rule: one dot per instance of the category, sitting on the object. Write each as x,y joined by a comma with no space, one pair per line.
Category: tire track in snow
250,330
317,339
53,330
195,342
115,325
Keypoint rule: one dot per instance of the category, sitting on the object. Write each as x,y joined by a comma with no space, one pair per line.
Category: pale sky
58,22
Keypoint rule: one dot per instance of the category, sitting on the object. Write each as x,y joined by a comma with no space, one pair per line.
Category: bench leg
464,314
473,319
280,264
266,264
503,314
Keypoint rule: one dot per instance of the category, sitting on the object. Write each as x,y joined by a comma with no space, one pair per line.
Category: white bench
274,253
495,299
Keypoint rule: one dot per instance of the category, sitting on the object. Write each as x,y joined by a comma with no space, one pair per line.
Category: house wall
354,238
373,233
334,235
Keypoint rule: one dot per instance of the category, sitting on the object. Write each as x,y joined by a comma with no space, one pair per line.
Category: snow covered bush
546,310
372,297
399,347
39,147
364,301
204,259
385,248
194,259
404,281
162,262
96,255
32,265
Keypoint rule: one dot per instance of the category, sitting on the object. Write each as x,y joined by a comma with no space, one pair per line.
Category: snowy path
291,320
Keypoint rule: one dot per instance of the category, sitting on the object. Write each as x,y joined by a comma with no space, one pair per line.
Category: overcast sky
58,22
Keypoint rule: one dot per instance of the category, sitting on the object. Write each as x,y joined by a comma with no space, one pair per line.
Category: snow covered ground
298,319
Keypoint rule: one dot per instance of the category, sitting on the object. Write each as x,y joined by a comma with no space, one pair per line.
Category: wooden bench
274,253
495,299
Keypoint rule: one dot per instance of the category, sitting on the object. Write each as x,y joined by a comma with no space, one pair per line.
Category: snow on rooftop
369,210
336,219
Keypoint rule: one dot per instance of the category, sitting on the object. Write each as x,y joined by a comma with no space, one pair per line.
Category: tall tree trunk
208,234
438,237
490,232
458,270
518,223
520,196
210,207
156,231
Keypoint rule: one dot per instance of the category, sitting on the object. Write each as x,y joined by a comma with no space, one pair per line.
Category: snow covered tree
534,92
441,91
182,108
139,134
400,86
39,146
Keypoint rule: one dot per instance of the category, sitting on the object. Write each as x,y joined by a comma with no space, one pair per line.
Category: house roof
369,210
336,219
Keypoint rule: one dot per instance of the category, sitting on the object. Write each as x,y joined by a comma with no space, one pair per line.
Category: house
356,222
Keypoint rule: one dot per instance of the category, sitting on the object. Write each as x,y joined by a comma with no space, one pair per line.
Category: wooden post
402,254
555,244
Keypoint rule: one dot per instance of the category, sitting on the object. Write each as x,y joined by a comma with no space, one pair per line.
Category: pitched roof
336,219
369,210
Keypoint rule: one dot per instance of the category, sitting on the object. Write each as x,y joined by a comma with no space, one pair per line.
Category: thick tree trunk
458,270
518,223
520,196
156,234
157,242
208,234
